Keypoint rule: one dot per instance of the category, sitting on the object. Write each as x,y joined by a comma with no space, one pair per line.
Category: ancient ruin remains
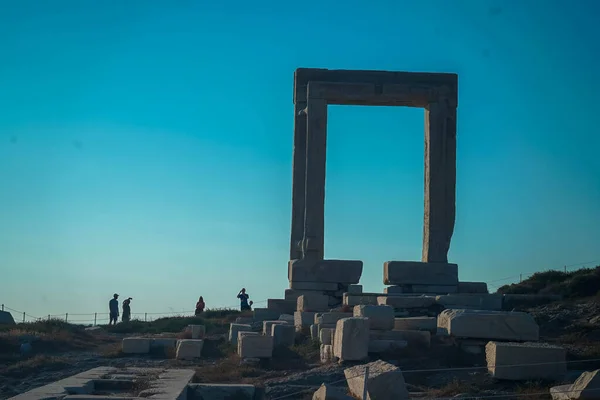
314,89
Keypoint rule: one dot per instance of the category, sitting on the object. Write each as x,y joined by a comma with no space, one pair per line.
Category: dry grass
535,390
34,365
227,370
456,386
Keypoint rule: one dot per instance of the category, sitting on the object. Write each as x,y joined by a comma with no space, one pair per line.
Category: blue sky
145,148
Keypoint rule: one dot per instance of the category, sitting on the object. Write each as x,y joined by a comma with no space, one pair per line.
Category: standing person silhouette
126,310
200,306
113,308
243,296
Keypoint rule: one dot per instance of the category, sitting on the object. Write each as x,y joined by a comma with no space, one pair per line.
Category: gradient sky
146,146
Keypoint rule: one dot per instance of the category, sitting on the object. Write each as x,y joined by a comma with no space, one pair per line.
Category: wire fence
100,318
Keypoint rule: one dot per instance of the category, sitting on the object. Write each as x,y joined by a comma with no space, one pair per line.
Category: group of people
113,306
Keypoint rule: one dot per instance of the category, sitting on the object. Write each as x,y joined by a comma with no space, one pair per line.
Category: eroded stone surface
264,314
313,303
586,387
326,335
282,306
326,353
538,360
335,271
234,329
416,324
405,302
283,334
413,338
351,340
268,324
419,273
198,331
331,317
362,298
255,346
380,317
384,382
327,392
189,349
472,287
499,325
492,302
386,345
303,319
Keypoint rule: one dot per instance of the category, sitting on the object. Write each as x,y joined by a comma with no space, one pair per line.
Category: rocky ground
439,372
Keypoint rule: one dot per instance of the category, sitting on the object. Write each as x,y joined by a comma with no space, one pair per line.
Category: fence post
520,278
365,391
565,269
145,317
66,317
95,315
48,317
23,316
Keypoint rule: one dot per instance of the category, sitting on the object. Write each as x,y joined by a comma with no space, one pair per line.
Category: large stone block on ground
413,338
283,334
256,346
380,317
416,324
472,287
136,345
293,294
281,306
221,391
303,319
406,302
419,273
313,302
264,314
6,318
189,349
336,271
378,346
491,302
331,317
242,334
384,382
268,324
538,360
327,392
326,335
234,329
198,331
492,325
351,340
586,387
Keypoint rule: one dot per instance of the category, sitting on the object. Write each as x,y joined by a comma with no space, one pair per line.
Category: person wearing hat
113,307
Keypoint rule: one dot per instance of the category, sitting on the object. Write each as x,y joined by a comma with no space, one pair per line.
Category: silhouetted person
200,306
243,296
127,310
113,307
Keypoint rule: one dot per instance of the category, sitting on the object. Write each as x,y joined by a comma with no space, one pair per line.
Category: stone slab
587,387
221,391
355,289
198,331
336,271
235,328
256,346
172,384
491,302
163,343
331,317
395,289
189,349
416,324
282,306
472,287
419,273
242,334
378,346
136,345
538,360
6,318
264,314
491,325
293,294
316,286
351,340
413,338
380,317
289,318
304,318
313,302
267,326
283,334
326,335
384,382
405,302
363,298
